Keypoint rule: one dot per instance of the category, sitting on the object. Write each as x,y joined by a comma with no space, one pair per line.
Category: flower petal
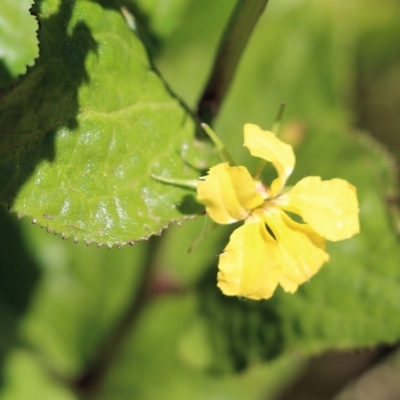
329,207
249,265
301,249
266,145
229,193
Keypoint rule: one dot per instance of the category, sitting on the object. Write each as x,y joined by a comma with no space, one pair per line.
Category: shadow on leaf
190,206
240,331
6,78
44,101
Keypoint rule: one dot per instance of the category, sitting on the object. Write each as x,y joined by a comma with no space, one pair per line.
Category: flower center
262,189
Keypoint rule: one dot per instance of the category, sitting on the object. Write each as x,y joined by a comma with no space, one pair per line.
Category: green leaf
87,126
349,303
167,363
18,40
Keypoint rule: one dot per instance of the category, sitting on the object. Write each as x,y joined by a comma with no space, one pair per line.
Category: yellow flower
271,248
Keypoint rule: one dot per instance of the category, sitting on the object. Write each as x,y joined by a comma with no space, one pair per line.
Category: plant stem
219,145
89,383
233,42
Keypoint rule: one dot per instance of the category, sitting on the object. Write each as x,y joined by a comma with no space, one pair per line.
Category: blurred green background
337,66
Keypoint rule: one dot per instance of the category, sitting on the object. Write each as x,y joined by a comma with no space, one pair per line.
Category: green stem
231,48
219,145
186,183
89,384
278,119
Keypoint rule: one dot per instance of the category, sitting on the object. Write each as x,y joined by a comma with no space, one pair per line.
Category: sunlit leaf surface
87,126
18,40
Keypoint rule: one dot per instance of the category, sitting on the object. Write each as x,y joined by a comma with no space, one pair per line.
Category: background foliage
110,100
